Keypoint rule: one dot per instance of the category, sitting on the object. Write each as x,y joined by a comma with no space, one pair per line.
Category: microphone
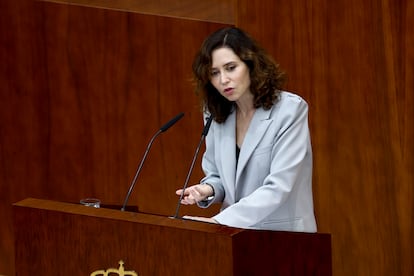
161,130
203,136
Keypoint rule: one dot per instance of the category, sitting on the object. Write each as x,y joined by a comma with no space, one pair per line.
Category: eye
231,67
214,73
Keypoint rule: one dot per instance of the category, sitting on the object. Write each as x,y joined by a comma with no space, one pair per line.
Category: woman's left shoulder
291,103
286,96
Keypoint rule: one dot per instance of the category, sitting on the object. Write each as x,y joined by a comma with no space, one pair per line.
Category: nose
224,78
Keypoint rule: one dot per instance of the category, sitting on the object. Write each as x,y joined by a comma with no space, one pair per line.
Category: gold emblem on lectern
120,271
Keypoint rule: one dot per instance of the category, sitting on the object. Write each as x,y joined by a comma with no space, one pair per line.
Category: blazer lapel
258,126
227,138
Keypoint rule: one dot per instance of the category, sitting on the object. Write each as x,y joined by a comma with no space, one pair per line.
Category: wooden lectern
56,238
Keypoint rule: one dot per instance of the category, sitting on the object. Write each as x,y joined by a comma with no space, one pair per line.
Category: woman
258,158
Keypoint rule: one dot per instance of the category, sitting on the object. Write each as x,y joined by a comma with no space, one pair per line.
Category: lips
228,91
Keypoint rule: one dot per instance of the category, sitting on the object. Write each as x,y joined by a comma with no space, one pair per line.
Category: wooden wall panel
83,91
85,88
353,62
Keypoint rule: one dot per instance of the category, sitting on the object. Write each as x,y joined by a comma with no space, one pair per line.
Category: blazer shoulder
290,103
291,97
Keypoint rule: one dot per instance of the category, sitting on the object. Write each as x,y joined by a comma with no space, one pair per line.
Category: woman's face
230,75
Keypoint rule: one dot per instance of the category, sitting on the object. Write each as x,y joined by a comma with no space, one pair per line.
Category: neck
245,108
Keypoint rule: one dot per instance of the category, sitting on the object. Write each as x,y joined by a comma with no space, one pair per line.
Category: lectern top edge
78,209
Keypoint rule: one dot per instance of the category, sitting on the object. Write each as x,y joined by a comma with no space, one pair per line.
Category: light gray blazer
271,186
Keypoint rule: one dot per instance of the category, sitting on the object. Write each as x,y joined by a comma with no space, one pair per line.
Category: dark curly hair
266,77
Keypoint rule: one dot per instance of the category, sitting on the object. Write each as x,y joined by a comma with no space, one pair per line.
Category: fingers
187,199
192,195
195,193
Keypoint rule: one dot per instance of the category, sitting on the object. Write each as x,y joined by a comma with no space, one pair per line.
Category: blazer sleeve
210,169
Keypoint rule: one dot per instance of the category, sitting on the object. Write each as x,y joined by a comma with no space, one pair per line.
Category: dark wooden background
84,88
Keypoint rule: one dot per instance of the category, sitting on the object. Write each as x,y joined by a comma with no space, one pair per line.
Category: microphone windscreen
171,122
207,126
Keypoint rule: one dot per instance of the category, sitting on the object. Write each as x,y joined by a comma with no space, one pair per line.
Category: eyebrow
226,64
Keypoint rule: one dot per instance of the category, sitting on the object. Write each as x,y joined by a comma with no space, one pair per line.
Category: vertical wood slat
353,62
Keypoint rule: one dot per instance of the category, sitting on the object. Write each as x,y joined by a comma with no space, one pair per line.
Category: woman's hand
195,193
